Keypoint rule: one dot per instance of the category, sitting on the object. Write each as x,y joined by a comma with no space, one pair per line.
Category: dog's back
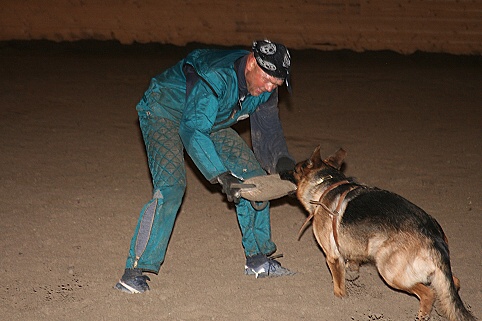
386,212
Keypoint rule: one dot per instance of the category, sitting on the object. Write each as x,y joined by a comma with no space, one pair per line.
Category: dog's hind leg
427,298
424,293
407,270
337,269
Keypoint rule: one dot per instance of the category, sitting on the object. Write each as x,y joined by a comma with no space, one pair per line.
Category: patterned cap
274,59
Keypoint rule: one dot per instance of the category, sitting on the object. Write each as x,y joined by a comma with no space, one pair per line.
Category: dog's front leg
323,231
352,270
337,269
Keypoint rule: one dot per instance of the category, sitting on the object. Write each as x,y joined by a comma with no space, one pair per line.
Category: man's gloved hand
285,167
226,179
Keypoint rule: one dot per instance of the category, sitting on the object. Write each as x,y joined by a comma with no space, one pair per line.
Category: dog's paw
340,293
352,275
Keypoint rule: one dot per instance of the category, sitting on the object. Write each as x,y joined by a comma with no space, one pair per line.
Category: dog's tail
444,286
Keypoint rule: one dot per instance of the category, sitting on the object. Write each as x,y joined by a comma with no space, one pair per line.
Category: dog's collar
329,189
323,179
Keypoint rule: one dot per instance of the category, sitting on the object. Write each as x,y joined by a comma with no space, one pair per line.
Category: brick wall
405,26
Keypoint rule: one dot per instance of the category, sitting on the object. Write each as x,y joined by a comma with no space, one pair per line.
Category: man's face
257,80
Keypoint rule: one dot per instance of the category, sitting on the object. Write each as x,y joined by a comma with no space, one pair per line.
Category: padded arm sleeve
267,136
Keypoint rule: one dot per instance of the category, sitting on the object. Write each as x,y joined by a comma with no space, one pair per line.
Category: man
192,106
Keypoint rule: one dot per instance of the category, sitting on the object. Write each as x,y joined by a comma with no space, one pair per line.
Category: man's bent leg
240,160
255,225
256,229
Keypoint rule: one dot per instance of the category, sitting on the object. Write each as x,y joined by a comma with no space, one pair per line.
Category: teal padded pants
165,155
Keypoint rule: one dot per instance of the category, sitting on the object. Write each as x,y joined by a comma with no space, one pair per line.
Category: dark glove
285,167
226,179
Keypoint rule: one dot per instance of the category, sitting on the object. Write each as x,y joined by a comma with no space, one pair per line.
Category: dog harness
334,214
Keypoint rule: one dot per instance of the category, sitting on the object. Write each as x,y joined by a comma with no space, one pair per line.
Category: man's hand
285,167
226,179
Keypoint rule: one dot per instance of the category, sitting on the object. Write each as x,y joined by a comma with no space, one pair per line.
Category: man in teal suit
192,106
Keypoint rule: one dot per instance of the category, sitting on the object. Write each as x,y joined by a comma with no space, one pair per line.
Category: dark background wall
405,26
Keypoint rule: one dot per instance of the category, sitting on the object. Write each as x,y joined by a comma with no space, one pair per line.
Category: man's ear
251,62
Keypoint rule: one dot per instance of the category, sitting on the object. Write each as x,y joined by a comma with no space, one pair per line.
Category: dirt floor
74,177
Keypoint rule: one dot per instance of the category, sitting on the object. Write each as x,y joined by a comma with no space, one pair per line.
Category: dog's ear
337,159
315,159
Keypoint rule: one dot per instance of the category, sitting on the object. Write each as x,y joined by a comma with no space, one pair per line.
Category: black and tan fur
354,223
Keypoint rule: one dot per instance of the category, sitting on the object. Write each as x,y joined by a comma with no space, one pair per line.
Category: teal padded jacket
212,104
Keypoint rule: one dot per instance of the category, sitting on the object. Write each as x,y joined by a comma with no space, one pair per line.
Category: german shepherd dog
355,223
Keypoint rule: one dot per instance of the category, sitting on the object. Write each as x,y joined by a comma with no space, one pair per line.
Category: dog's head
314,174
315,163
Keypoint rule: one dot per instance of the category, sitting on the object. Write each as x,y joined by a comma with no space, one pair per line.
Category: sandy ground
74,177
